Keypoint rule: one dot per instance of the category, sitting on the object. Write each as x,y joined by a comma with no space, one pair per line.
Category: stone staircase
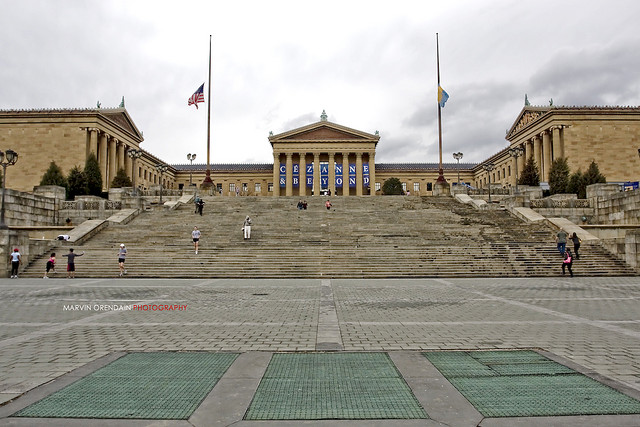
361,237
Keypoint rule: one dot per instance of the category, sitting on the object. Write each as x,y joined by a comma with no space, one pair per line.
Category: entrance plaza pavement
58,330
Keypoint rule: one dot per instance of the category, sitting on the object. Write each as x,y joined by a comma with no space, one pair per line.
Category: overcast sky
277,64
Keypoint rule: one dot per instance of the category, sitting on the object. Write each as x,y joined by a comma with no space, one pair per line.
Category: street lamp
8,158
134,154
458,156
191,158
162,169
489,167
517,152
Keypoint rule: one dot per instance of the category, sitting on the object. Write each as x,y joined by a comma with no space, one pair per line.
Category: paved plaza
63,329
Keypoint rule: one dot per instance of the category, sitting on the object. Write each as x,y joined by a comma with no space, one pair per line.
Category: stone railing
559,203
92,205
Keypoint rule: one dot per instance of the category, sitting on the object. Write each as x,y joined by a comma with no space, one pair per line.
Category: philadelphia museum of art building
321,157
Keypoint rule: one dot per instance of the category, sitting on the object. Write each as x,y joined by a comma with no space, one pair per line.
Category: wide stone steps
363,237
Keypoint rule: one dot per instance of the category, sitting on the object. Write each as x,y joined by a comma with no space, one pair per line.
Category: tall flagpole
207,179
441,179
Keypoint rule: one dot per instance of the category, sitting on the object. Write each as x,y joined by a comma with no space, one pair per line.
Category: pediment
527,116
324,131
120,117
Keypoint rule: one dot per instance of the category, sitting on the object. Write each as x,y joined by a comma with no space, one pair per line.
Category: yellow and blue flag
442,97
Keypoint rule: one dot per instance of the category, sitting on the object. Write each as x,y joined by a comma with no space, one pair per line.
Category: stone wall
29,209
619,207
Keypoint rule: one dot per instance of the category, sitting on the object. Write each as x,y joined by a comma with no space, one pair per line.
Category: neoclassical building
320,157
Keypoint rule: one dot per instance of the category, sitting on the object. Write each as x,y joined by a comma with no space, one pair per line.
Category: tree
93,176
121,180
392,186
593,175
54,176
559,176
77,183
576,185
530,175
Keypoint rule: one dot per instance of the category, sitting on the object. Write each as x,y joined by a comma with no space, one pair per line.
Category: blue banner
338,170
310,175
295,175
283,175
365,175
352,175
324,175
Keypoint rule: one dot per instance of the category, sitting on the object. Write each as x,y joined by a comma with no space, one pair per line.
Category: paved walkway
49,328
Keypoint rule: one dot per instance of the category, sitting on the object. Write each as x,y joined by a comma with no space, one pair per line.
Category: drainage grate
527,384
167,386
317,386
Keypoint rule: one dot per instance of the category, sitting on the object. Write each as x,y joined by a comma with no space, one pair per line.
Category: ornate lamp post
458,156
134,154
162,169
515,153
8,158
191,158
489,167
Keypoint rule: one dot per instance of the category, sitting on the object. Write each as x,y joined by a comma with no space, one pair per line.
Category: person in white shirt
195,234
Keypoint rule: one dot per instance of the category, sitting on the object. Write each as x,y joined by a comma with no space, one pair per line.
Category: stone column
558,146
112,160
276,174
546,153
358,174
522,159
102,159
332,174
372,173
93,142
303,174
316,174
537,149
128,163
345,174
121,152
289,185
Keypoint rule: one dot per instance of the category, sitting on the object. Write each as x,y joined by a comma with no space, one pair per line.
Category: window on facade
404,187
378,186
145,174
429,186
139,172
258,188
270,187
219,187
232,187
509,169
245,187
504,175
416,187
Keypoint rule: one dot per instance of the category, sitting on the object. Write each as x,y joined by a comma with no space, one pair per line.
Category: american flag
198,96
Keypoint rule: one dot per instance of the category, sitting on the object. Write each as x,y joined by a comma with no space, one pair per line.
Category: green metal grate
138,386
333,386
527,384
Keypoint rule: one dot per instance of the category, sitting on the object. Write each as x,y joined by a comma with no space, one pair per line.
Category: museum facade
319,158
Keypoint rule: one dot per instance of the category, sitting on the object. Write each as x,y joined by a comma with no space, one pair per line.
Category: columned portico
112,161
546,155
329,144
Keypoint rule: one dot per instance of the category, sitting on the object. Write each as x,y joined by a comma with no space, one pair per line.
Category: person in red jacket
567,261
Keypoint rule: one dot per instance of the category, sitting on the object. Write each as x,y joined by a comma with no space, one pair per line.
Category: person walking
576,244
246,227
200,206
71,263
561,241
51,265
195,235
16,259
567,262
122,255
